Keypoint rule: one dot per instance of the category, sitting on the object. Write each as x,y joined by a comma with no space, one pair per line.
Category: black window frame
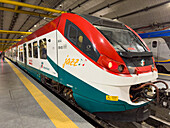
34,54
95,56
69,34
154,44
167,40
30,52
40,52
21,55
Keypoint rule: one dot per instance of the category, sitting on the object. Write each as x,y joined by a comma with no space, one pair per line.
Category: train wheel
43,79
68,94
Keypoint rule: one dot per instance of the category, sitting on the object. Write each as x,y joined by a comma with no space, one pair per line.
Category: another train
159,44
100,64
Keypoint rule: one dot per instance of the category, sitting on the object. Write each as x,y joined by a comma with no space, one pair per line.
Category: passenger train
100,64
159,44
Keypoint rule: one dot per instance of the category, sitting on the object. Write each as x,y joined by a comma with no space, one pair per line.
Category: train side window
154,44
43,49
35,49
29,50
21,56
17,52
21,53
14,53
80,40
167,40
11,52
72,34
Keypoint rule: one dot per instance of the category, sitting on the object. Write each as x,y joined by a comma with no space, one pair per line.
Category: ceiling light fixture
168,4
60,6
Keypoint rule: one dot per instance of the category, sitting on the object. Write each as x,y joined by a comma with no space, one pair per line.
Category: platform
24,103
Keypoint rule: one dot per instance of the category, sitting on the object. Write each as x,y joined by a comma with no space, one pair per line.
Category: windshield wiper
120,45
107,37
138,41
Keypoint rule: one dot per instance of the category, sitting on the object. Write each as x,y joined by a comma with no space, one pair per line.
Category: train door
25,54
154,48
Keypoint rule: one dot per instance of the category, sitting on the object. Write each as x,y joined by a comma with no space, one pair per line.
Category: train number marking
59,41
62,47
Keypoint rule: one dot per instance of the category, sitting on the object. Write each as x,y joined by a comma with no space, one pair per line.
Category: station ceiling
141,15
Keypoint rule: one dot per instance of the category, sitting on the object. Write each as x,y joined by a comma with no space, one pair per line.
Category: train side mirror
154,44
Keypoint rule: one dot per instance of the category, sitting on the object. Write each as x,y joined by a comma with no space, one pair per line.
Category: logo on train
42,64
74,62
30,62
142,62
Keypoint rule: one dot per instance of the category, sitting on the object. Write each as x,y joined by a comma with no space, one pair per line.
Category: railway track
157,122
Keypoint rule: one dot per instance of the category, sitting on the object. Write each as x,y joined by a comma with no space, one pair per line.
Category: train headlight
110,65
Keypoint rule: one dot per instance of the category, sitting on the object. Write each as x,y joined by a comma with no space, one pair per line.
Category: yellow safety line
163,74
59,119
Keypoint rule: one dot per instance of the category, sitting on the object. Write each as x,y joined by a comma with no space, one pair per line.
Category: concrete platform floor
19,109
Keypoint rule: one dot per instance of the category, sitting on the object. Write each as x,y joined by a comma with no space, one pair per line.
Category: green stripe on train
87,96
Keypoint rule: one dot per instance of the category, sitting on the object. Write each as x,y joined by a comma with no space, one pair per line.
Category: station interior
115,73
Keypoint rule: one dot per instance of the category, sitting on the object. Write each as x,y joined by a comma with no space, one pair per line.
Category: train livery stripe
162,61
163,74
59,119
155,34
85,94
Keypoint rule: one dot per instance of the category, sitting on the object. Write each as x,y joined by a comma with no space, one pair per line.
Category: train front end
134,67
116,79
131,64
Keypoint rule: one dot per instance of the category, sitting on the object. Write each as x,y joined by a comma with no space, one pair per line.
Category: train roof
50,26
155,34
104,22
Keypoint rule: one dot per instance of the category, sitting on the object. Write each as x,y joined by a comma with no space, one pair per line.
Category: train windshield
167,40
123,40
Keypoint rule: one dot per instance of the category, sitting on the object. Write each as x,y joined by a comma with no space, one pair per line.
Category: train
102,65
159,44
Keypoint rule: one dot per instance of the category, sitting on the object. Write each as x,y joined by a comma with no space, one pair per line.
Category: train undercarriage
149,91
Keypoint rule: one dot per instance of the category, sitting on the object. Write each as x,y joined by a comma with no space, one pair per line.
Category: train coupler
151,92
